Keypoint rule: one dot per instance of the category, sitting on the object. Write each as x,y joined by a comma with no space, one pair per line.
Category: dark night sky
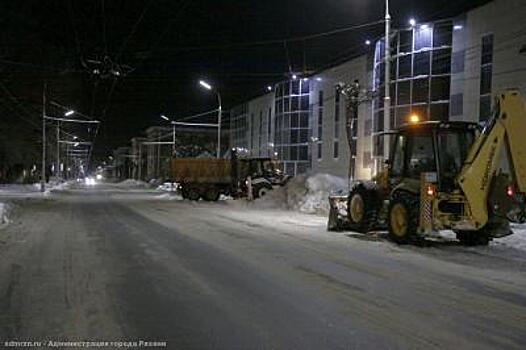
169,44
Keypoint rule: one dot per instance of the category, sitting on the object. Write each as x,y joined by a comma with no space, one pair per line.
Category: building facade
443,70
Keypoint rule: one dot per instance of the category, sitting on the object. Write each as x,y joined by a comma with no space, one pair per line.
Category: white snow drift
304,193
4,213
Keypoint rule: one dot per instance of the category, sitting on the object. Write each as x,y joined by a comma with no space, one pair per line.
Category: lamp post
43,176
57,172
387,80
207,86
173,132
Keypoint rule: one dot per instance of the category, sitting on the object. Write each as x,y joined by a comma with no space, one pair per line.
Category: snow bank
131,183
16,188
4,213
517,239
57,185
169,197
31,190
304,193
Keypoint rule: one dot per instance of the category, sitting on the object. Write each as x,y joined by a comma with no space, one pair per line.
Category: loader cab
435,147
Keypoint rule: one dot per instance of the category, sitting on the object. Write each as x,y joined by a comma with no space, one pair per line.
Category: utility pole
139,172
219,115
66,163
173,140
58,151
43,170
158,171
387,80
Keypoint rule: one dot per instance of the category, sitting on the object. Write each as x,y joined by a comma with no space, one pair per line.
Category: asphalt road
105,265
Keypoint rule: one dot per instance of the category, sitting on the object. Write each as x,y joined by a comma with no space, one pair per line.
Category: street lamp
387,77
205,85
173,132
68,113
219,111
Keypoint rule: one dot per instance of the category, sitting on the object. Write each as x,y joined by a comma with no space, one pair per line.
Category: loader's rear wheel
403,217
362,208
211,194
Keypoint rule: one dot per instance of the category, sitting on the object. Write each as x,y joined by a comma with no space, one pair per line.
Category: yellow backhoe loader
444,175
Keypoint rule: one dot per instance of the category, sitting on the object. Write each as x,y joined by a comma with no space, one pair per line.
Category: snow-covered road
104,264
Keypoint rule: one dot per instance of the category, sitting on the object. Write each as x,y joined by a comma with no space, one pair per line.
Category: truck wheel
362,209
193,194
211,194
473,238
403,217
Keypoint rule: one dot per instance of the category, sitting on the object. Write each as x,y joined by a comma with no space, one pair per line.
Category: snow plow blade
337,213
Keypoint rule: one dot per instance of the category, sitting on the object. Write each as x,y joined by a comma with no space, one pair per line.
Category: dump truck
444,175
208,178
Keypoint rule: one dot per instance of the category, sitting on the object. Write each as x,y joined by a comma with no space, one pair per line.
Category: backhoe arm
506,129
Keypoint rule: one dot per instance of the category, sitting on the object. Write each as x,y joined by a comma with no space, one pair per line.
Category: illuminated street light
269,88
414,118
367,42
68,113
412,22
294,77
205,85
219,115
173,132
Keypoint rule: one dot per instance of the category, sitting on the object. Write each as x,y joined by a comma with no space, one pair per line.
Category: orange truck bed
201,170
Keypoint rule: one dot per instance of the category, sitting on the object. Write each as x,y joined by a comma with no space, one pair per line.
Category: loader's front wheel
362,209
403,217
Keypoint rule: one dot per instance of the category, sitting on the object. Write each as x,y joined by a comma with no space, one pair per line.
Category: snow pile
517,239
4,213
57,185
19,188
307,194
169,197
131,183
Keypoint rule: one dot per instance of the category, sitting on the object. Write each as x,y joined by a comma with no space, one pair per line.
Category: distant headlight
99,177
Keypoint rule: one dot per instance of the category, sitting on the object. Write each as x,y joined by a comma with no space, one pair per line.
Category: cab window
397,159
420,156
